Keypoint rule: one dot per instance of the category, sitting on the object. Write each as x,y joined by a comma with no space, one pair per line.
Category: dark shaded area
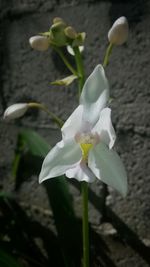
22,233
134,10
29,165
3,61
58,63
125,234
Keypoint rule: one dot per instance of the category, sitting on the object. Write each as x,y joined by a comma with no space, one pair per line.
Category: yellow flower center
85,148
86,142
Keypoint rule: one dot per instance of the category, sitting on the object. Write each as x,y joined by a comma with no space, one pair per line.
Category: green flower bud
57,34
70,32
57,19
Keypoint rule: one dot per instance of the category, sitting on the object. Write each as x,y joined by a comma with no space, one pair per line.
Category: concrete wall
26,75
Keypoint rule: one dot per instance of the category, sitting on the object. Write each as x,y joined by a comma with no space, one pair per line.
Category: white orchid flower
85,151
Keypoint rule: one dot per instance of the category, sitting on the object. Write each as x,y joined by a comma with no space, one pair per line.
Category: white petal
62,157
105,129
73,125
15,111
95,95
108,167
71,52
81,172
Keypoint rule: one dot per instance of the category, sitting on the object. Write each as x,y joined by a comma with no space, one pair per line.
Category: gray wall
26,75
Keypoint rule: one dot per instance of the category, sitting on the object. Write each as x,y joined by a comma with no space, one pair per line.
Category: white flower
70,49
118,34
40,43
15,111
88,136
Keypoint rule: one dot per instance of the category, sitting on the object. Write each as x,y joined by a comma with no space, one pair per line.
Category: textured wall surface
26,75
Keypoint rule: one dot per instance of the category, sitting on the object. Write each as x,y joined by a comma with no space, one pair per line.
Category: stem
105,187
84,185
85,225
107,55
57,120
80,68
64,59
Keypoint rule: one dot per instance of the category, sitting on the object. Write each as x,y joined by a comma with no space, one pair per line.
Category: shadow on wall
124,232
134,10
30,166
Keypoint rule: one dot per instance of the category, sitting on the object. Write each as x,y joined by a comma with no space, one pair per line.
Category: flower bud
15,111
118,34
57,19
40,43
70,32
58,36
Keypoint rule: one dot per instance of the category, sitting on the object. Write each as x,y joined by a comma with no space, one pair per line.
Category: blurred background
39,225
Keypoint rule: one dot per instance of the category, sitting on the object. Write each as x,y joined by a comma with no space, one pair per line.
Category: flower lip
87,138
87,141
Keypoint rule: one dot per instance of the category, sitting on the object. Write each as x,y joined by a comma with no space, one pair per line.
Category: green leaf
60,200
17,158
66,81
36,144
6,260
68,228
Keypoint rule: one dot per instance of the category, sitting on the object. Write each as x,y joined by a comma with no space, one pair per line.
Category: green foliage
6,260
32,150
18,233
35,143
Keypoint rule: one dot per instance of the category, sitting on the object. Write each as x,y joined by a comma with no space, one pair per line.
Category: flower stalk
107,55
85,225
57,120
84,185
64,59
80,68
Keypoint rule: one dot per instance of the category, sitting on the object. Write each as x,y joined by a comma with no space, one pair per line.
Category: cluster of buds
59,35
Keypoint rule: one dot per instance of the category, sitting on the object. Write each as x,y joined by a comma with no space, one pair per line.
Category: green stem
107,55
84,186
57,120
64,59
80,68
85,225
